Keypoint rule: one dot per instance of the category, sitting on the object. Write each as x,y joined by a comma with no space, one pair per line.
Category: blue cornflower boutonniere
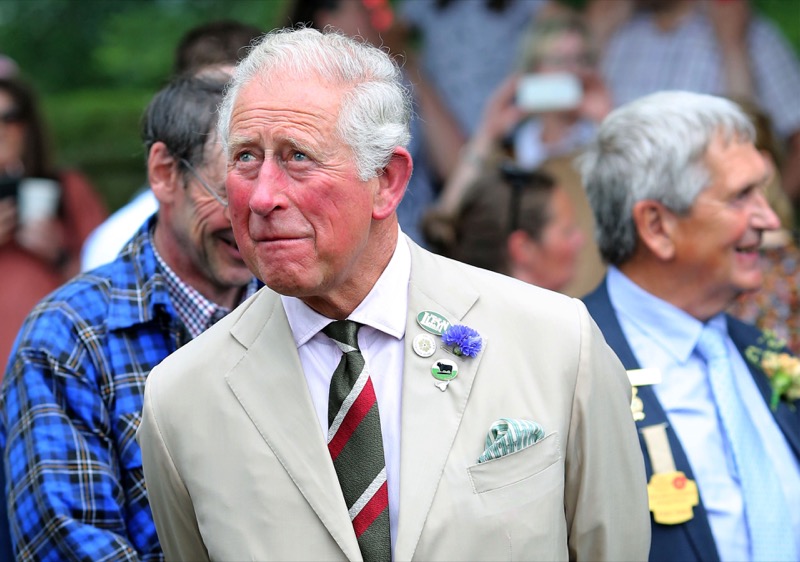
463,339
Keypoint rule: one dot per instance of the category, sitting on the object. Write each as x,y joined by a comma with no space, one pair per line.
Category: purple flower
465,340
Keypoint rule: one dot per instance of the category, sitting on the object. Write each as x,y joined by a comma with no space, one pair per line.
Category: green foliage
97,63
786,15
126,59
135,46
52,40
98,131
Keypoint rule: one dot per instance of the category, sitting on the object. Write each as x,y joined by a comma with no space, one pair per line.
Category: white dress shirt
663,336
106,241
383,315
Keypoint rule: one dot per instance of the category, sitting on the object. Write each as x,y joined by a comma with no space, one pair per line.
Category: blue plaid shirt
70,406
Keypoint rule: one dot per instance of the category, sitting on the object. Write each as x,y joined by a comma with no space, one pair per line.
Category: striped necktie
355,444
767,515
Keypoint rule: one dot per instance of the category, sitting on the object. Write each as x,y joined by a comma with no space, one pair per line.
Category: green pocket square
508,436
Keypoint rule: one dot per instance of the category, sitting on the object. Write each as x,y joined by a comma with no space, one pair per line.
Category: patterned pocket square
508,436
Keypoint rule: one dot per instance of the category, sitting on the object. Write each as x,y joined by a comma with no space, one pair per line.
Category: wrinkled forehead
291,94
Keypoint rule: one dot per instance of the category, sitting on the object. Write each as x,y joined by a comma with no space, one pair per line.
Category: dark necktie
355,444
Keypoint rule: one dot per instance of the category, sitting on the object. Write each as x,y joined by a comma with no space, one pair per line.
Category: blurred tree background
96,64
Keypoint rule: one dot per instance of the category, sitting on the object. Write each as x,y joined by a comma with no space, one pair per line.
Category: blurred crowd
506,92
527,83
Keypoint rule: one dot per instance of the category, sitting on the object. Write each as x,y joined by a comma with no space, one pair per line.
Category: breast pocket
516,468
516,508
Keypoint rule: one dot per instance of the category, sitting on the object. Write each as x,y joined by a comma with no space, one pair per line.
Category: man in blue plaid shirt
72,393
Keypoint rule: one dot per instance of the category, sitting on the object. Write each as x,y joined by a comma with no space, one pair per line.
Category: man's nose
269,192
764,218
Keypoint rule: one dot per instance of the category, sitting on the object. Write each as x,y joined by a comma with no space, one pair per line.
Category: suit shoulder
503,304
519,299
743,329
491,284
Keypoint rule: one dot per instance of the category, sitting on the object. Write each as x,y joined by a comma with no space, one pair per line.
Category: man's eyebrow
238,141
297,144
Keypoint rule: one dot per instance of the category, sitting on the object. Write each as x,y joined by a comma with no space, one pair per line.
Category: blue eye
299,157
246,157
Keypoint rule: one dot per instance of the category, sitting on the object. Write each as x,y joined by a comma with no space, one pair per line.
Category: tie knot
711,344
344,333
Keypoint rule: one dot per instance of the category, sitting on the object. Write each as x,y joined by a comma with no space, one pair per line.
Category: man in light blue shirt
676,187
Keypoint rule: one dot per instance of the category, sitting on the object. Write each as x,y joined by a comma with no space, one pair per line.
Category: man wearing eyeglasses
72,393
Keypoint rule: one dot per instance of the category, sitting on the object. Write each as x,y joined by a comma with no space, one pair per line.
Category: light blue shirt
664,337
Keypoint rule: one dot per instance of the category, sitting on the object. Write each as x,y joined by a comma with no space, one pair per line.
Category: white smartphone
550,91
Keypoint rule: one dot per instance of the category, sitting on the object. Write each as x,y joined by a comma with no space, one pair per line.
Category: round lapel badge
424,345
444,370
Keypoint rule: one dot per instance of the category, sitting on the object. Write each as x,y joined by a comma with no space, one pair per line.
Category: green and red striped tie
355,444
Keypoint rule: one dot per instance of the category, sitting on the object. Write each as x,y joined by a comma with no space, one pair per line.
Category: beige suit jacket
237,467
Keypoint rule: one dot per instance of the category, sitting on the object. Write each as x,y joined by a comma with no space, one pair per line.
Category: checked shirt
70,406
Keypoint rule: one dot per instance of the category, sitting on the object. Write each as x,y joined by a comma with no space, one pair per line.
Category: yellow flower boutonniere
782,369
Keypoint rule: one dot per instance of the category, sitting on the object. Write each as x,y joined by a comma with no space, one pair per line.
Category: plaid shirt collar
195,311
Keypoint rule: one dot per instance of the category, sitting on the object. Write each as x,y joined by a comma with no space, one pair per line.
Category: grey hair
376,108
653,148
182,115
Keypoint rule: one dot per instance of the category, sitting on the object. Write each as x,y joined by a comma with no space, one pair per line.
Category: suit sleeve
170,502
606,490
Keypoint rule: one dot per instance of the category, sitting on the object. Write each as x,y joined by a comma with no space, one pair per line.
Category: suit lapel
697,529
599,305
430,417
744,335
269,384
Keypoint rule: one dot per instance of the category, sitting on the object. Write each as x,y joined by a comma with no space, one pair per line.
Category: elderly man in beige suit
376,401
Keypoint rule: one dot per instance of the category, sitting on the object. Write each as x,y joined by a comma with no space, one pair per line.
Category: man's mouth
228,238
748,249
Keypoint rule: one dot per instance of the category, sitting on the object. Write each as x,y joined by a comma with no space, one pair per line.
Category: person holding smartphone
45,213
561,94
538,117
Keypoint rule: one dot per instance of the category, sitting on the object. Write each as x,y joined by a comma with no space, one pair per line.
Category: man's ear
655,227
392,184
163,173
522,250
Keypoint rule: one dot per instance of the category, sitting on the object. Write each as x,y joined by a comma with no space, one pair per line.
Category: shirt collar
135,269
195,311
385,307
670,327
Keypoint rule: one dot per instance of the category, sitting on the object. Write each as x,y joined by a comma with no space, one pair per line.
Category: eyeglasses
517,178
521,181
220,194
10,116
